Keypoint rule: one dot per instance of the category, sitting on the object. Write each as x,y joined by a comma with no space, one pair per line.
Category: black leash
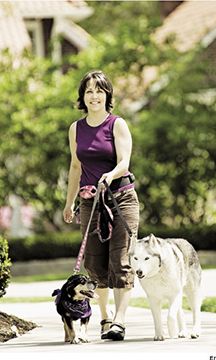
118,209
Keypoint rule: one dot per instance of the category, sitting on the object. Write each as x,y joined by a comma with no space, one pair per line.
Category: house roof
73,9
72,32
190,22
13,33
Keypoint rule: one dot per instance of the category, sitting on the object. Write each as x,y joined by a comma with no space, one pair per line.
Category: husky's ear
157,247
152,240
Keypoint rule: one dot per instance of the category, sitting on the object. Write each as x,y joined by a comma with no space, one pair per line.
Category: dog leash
85,238
83,245
118,209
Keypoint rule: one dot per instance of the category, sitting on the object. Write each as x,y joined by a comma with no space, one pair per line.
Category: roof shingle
190,23
13,33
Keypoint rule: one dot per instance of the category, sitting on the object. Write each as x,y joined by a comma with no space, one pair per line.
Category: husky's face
146,257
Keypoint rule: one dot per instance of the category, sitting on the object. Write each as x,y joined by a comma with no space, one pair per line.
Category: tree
37,108
175,150
38,105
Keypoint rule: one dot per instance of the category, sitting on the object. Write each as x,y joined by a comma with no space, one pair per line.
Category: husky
166,268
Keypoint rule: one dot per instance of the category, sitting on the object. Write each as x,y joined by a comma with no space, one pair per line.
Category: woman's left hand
108,177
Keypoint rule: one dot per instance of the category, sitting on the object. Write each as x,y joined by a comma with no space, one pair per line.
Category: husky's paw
159,338
195,333
183,334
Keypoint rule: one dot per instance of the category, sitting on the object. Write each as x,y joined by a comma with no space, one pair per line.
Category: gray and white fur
166,269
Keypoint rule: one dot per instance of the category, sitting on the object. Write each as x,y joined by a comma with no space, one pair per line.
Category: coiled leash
85,238
131,234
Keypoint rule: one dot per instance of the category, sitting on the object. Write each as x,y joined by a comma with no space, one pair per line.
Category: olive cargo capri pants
109,262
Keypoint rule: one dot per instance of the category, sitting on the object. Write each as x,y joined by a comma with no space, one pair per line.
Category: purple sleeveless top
95,149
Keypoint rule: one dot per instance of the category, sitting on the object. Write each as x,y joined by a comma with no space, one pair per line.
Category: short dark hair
102,82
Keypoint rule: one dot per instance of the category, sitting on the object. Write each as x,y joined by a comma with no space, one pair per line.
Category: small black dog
72,303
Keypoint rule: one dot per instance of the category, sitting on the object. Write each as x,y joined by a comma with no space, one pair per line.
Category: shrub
67,244
45,246
4,266
202,237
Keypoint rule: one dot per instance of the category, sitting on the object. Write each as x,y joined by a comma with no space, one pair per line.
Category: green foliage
201,236
209,305
67,244
121,33
37,108
174,152
48,246
5,265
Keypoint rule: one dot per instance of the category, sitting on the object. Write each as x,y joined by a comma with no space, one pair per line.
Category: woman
100,145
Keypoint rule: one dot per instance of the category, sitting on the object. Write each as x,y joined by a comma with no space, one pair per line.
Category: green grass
14,300
208,305
207,267
61,276
39,277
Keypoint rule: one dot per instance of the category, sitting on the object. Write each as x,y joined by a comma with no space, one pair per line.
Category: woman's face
94,97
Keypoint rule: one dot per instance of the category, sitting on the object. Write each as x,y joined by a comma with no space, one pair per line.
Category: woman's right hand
68,214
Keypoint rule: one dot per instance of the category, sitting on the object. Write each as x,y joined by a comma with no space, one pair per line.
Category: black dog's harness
79,309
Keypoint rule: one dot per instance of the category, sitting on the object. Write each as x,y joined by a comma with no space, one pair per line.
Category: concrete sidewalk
48,337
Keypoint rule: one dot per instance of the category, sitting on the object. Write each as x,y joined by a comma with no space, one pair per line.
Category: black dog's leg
67,331
83,336
70,335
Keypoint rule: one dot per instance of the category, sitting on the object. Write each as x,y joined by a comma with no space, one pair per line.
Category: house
45,27
189,23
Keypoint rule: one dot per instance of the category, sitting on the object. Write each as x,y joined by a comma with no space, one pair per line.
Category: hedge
45,246
202,237
5,265
67,244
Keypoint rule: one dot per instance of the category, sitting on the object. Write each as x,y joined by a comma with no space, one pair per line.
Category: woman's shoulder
115,119
116,123
76,123
118,120
120,126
